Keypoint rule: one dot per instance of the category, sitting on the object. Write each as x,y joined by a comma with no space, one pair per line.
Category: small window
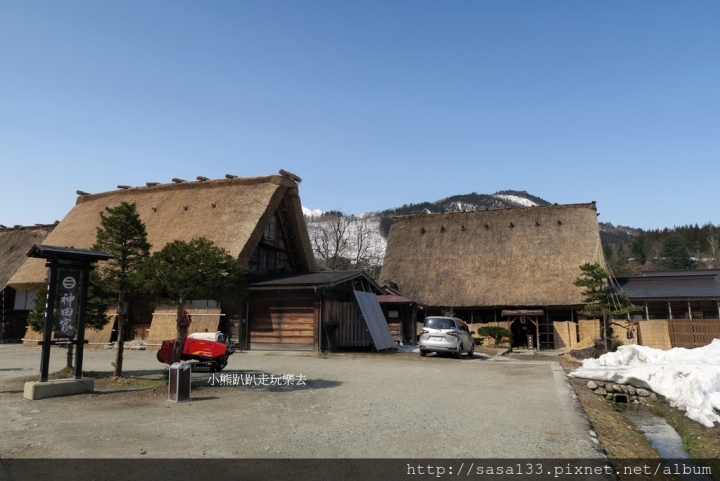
271,229
25,300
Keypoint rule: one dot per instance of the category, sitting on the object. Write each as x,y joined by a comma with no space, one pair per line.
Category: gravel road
352,406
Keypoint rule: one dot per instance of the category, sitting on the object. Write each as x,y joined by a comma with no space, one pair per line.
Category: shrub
498,333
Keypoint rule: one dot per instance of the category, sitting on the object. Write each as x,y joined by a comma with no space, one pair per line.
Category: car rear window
436,323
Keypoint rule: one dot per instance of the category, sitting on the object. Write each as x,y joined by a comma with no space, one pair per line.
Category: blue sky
373,104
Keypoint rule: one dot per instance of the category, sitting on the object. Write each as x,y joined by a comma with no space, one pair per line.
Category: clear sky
374,104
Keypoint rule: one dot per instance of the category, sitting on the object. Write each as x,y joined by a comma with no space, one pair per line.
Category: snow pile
688,378
312,212
516,200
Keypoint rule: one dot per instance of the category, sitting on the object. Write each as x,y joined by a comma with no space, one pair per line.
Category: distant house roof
687,286
309,280
15,243
682,272
232,212
506,257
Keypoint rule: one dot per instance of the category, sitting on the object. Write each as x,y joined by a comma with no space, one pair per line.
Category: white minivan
446,335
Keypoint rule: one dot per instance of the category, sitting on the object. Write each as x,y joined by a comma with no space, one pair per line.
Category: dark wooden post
49,320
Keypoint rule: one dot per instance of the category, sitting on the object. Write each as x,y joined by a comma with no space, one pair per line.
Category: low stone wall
620,392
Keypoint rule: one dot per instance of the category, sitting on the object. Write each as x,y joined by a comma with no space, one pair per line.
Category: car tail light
454,334
424,331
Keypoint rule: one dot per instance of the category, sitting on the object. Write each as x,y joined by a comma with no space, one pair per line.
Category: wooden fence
691,333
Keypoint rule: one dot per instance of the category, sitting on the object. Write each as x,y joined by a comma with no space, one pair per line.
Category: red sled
206,349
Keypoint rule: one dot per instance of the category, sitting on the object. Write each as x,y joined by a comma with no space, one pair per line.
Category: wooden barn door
275,325
351,330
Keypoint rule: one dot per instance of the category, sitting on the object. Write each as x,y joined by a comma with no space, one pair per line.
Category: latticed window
271,229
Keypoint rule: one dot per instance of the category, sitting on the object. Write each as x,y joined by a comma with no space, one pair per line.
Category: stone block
59,387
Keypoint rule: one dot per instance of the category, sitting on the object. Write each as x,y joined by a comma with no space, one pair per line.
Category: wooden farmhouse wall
351,330
282,323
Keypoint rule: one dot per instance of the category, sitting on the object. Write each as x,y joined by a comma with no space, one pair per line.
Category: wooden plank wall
691,333
352,331
282,324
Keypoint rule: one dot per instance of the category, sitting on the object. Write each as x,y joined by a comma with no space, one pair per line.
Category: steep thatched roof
506,257
14,245
232,212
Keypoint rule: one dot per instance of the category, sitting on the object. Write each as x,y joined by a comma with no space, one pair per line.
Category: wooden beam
670,310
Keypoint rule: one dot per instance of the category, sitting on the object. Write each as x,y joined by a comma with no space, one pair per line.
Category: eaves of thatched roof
15,243
232,212
505,257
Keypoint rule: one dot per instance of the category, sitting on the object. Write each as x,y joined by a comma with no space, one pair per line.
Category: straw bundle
164,325
96,338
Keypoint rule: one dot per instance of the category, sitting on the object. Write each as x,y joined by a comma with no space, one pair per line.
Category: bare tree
330,241
362,241
713,240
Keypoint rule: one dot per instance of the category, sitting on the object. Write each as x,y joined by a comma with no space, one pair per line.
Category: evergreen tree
674,254
183,271
601,296
122,234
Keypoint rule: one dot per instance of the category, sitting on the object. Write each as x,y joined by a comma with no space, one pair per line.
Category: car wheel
458,353
471,354
423,353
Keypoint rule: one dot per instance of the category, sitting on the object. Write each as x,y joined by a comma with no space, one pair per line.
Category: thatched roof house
234,213
481,262
15,242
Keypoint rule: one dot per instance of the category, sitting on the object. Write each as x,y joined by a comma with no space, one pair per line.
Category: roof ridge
589,205
197,184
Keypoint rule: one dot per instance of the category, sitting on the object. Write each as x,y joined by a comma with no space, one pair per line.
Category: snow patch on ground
312,212
516,200
688,378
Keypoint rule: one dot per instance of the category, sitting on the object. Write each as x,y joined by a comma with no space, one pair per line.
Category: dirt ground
353,405
350,406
